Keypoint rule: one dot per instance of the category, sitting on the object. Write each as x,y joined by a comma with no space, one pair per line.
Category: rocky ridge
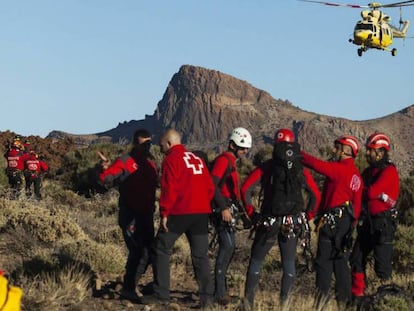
204,105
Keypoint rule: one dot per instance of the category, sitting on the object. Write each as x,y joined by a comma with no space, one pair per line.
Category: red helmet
284,135
350,141
378,140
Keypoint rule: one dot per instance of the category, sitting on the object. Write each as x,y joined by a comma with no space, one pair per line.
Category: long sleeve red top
138,178
33,164
262,174
376,182
186,184
15,159
226,178
343,183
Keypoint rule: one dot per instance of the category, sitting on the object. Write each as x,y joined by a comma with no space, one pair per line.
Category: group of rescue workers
193,196
24,162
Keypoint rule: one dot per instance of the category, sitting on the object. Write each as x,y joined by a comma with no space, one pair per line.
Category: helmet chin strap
343,154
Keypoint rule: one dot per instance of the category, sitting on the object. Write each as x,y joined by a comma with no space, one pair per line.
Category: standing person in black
137,177
282,216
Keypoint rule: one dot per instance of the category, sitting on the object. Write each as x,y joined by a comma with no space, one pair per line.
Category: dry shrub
47,225
56,193
403,256
110,234
181,251
99,257
57,290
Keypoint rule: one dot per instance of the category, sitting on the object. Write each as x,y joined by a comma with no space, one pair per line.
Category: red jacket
15,159
376,182
262,174
230,186
186,184
34,165
137,178
343,183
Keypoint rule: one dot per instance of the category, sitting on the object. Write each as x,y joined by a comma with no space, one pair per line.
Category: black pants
36,181
195,227
378,236
15,182
139,244
226,246
331,259
263,242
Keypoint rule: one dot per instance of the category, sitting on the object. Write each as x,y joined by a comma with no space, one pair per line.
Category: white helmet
241,137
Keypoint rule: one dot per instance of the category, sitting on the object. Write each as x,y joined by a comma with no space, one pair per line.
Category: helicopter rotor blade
354,6
397,4
373,5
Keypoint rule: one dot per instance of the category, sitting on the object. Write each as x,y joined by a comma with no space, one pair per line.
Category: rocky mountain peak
205,105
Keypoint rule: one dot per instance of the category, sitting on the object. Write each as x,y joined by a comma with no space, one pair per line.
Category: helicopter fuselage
373,31
373,34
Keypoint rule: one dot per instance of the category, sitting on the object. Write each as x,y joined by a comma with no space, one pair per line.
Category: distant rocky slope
204,105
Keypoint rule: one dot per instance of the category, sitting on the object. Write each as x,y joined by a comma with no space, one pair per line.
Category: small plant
57,290
99,257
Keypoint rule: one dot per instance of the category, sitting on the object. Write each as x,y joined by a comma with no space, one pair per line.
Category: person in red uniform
15,166
186,192
137,177
378,221
33,169
337,214
291,218
227,182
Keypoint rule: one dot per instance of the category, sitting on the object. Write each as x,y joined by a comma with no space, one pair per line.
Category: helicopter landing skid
364,48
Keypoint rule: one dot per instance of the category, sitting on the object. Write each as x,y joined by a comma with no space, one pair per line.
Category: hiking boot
225,300
147,289
245,305
207,305
154,300
130,295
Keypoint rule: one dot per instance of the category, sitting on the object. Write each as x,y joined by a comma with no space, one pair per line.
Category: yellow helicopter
374,30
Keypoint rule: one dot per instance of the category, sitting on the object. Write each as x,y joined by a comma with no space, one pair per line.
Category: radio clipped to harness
240,220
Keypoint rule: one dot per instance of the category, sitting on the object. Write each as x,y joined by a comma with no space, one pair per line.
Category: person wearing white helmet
226,200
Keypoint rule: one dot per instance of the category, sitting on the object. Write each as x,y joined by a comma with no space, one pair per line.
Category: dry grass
56,291
67,229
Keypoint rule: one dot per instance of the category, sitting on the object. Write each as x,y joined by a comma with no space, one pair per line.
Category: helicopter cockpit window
364,26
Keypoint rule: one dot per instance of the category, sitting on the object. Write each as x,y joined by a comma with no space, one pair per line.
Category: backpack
10,296
287,180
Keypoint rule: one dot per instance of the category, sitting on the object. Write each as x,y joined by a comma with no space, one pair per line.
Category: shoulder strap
228,171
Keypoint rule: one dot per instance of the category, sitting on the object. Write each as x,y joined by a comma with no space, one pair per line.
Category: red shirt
186,184
230,186
33,164
343,183
376,182
138,179
15,159
261,175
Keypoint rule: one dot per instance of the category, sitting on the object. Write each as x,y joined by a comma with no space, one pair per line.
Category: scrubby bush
403,255
99,257
406,201
56,291
47,225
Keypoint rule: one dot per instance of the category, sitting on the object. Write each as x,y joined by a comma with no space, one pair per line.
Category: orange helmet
284,135
16,144
378,140
350,141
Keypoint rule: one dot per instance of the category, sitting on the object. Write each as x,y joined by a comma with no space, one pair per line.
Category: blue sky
82,66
